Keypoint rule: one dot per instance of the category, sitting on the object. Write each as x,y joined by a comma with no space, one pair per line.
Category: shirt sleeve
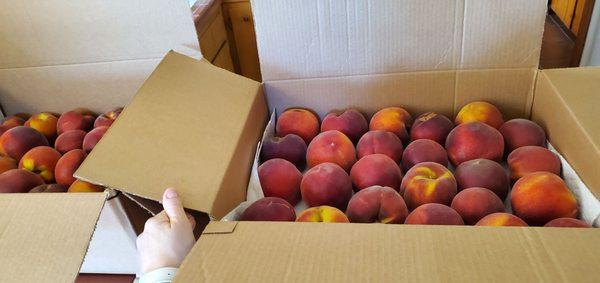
161,275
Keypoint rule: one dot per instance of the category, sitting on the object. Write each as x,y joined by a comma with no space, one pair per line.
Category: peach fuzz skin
483,173
42,161
69,140
392,119
432,126
78,119
291,148
423,150
501,219
522,132
84,187
269,209
322,214
67,165
567,222
350,122
377,204
475,203
326,184
529,159
376,170
44,123
299,121
380,142
331,146
280,178
480,111
19,140
434,214
472,141
107,118
7,163
428,182
19,181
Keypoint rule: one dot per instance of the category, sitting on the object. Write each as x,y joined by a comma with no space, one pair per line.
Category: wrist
160,275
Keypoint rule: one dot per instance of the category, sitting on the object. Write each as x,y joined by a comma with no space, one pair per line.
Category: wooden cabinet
571,13
242,38
210,27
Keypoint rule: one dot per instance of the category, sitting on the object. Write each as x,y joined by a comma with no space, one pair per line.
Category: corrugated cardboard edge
220,227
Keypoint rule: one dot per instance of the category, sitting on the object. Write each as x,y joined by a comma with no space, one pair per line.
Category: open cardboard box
55,56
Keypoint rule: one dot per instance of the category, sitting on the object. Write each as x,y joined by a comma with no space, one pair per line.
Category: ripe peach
480,111
42,161
13,121
49,188
269,209
522,132
93,137
376,170
475,203
540,197
19,181
528,159
350,122
326,184
483,173
331,146
19,140
432,126
434,214
380,142
107,118
392,119
69,140
67,165
501,219
7,163
428,182
567,222
322,214
424,150
291,148
377,204
84,187
44,123
75,120
474,140
301,122
280,178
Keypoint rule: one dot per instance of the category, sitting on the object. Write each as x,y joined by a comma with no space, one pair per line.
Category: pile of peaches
40,153
430,170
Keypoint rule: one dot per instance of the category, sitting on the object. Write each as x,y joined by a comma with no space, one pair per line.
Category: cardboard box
423,55
58,55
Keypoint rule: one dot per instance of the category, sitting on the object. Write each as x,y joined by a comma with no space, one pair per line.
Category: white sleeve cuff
161,275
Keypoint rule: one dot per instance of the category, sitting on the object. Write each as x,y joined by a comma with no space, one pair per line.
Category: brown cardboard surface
44,237
329,252
347,37
191,121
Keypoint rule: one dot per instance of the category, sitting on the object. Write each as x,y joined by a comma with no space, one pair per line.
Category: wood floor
557,46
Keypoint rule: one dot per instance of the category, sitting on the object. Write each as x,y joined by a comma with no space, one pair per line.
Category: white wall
591,52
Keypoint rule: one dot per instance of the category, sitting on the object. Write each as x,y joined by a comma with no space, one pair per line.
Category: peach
75,120
434,214
540,197
299,121
475,203
377,204
13,121
424,150
432,126
326,184
528,159
42,161
7,163
280,178
67,165
23,116
480,111
567,222
392,119
93,137
331,146
501,219
483,173
84,187
107,118
522,132
376,170
380,142
350,122
44,123
49,188
69,140
322,213
428,182
19,140
19,181
269,209
291,148
474,140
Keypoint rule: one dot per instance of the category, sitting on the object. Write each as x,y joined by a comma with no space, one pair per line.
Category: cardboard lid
44,237
191,126
308,39
342,252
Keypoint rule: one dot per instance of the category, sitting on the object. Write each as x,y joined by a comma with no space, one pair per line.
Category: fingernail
171,193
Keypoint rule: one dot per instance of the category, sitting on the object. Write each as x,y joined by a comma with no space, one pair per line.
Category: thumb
173,207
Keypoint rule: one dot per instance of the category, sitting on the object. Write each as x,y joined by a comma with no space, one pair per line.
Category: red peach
528,159
74,120
19,140
67,165
301,122
522,132
326,184
69,140
93,137
432,126
107,118
392,119
19,181
480,111
291,148
269,209
501,219
428,182
7,163
483,173
322,214
49,188
44,123
350,122
280,178
424,150
475,203
434,214
331,146
380,142
474,140
84,187
567,222
376,170
377,204
42,161
13,121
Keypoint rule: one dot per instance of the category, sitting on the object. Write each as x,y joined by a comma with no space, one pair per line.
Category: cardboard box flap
191,126
350,37
44,237
318,252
